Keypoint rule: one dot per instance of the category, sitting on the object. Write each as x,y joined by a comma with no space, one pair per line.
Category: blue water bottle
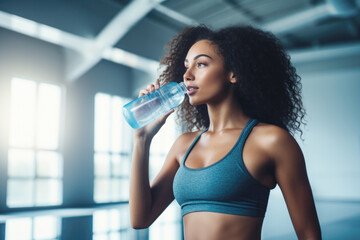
147,108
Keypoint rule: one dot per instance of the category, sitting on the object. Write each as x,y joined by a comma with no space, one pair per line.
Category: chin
196,100
195,103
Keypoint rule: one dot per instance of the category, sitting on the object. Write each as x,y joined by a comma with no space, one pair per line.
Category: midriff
220,226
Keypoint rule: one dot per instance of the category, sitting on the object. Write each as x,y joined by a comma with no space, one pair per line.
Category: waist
216,226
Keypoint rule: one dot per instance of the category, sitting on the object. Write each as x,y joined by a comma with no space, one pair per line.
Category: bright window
111,224
168,225
113,140
34,158
37,228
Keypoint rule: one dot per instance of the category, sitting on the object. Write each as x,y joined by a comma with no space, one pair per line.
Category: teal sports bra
224,187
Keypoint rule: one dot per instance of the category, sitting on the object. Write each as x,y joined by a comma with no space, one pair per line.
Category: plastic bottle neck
183,87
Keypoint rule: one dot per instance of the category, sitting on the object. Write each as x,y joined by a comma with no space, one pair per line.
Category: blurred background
67,67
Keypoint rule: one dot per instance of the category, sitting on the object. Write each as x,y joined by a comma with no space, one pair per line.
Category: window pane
46,227
18,229
102,190
125,235
116,191
48,192
102,122
116,124
101,236
168,225
115,236
21,163
111,224
126,132
22,115
164,139
20,193
102,165
116,165
49,164
155,232
157,162
120,189
124,217
171,214
120,165
168,231
171,231
48,122
109,164
114,216
101,221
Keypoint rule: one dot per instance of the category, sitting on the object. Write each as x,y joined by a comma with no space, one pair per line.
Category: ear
232,78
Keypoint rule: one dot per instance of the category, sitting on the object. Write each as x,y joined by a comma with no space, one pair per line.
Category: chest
210,149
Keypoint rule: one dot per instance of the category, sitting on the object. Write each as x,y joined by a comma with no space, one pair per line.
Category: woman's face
205,75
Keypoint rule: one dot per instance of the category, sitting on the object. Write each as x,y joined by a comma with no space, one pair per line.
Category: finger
157,84
151,87
143,92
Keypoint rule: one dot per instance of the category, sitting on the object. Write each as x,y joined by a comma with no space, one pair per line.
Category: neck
226,114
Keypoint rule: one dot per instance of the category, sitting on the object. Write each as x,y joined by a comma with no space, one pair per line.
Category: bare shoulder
272,133
182,144
276,141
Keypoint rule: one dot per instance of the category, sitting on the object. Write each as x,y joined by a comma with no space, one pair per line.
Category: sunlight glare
22,116
48,116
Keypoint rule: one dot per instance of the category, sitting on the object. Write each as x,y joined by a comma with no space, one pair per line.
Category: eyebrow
198,56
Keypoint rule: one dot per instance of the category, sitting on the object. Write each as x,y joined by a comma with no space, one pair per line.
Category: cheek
215,82
215,89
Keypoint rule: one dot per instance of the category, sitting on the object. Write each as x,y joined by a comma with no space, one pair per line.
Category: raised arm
148,202
290,173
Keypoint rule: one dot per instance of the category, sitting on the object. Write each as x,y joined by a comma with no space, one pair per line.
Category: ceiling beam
109,36
76,48
43,32
337,8
84,53
324,53
181,18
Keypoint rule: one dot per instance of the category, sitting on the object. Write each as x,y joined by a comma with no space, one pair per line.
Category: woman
244,100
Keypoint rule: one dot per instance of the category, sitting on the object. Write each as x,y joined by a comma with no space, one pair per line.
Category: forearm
140,192
312,231
311,236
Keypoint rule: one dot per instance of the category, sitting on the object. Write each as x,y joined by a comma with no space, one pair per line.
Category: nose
188,75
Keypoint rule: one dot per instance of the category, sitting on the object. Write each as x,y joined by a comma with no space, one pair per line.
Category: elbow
138,224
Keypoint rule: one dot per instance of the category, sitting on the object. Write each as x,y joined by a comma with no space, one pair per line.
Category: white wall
332,137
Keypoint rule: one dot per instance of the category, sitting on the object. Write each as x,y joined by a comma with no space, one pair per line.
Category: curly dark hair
267,87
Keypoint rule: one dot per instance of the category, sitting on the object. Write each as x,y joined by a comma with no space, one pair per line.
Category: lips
192,89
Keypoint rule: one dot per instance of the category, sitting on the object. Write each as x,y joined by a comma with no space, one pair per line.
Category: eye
200,64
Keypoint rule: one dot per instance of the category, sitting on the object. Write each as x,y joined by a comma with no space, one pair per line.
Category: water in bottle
147,108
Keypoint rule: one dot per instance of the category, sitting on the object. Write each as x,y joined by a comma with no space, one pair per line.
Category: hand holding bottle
150,130
155,102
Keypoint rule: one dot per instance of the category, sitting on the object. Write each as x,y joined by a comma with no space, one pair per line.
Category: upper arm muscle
291,176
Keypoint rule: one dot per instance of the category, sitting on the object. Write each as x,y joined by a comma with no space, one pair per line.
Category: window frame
59,150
